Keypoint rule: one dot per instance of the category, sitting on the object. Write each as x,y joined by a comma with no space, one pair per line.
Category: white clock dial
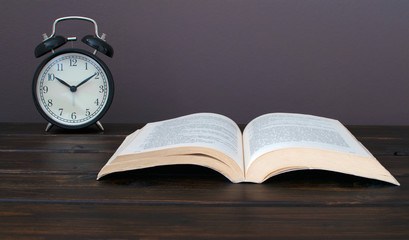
73,89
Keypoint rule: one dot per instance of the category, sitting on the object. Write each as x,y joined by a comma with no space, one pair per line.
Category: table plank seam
205,203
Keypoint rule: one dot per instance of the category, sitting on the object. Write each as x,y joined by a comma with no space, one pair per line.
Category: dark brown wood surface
48,191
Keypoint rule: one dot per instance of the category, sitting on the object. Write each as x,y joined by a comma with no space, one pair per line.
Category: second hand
73,98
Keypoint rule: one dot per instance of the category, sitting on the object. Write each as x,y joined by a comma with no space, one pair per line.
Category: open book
270,144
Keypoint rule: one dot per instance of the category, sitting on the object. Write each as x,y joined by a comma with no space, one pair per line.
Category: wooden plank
130,221
381,141
71,176
29,129
379,131
61,143
96,143
52,162
124,129
173,185
93,161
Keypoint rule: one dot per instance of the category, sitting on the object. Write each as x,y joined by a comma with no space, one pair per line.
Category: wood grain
151,221
48,191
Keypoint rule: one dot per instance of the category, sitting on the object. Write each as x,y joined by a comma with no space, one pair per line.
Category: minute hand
86,80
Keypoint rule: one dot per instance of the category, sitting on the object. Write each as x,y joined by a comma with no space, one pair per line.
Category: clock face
73,88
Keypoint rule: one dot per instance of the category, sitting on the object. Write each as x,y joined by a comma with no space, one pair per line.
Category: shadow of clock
92,129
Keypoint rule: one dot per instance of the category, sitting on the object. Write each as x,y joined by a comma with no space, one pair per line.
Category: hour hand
63,82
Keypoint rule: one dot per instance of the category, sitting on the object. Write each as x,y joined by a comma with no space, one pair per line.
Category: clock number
101,89
87,112
97,75
86,66
73,115
60,67
73,62
97,102
61,111
45,89
50,102
51,77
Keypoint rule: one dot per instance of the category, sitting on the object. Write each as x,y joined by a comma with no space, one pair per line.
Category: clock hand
63,82
86,80
72,88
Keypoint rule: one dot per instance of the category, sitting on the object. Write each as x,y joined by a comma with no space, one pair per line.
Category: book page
284,130
196,130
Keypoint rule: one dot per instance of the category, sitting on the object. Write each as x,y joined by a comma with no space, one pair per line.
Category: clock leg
48,127
98,123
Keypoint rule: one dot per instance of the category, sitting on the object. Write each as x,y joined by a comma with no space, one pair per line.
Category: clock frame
80,114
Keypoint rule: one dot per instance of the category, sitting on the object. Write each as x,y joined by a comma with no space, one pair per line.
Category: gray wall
344,59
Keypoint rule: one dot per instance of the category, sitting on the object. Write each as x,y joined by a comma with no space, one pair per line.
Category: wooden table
48,191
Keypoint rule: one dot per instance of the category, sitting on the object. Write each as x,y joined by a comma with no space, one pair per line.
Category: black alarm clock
73,88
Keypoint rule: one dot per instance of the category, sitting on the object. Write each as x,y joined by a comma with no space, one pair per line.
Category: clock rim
110,81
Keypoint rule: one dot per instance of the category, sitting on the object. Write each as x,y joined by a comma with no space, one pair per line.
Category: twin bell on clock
73,88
